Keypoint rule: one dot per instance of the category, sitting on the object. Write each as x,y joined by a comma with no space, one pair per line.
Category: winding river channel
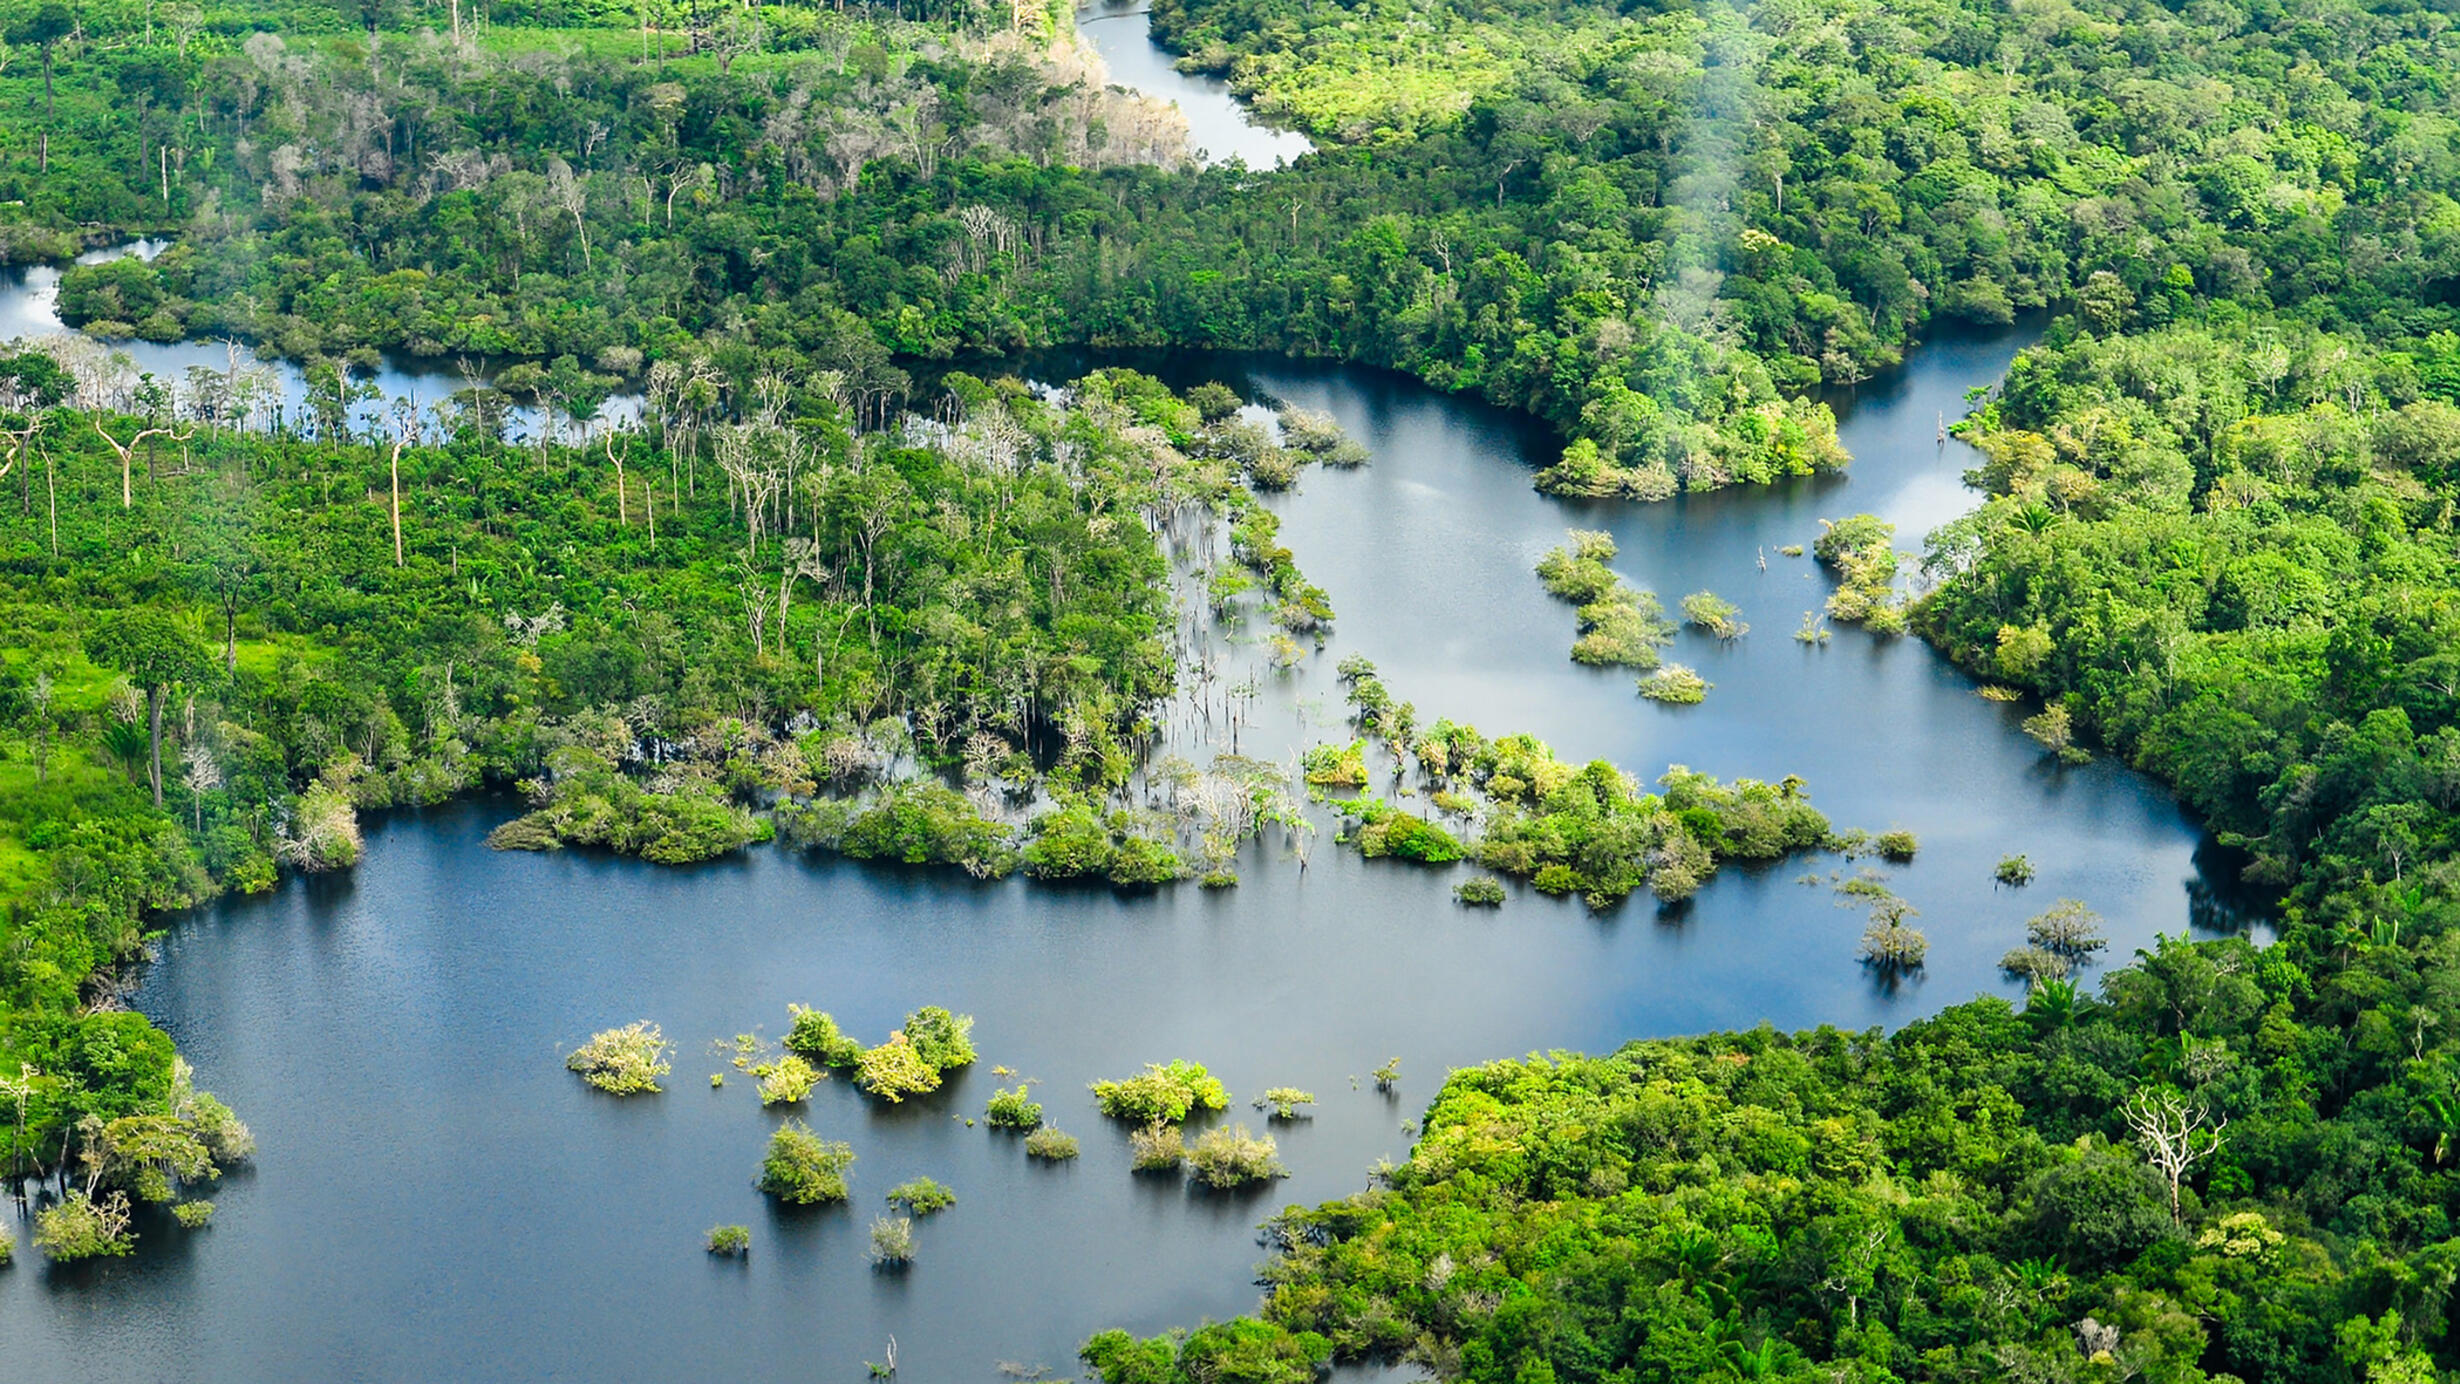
437,1198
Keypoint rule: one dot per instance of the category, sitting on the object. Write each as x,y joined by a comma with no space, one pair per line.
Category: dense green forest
2218,543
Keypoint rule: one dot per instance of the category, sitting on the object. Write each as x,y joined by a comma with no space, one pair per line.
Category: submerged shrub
2071,929
894,1070
730,1241
892,1241
1385,830
816,1037
1482,891
1013,1109
1226,1158
1715,614
2036,964
944,1040
1892,946
191,1215
802,1168
1161,1092
1897,846
79,1227
623,1061
1675,683
1158,1147
789,1082
2014,870
1049,1144
922,1196
1285,1101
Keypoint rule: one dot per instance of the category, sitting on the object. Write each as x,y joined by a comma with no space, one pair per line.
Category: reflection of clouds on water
29,309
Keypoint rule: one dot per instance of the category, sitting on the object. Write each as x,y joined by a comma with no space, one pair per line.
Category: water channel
436,1197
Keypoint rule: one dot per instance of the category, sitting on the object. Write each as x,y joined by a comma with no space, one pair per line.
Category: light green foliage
944,1040
191,1215
623,1061
1247,1351
1158,1147
1079,841
1229,1158
1713,613
1388,1075
2054,730
1898,846
730,1241
789,1082
2069,929
802,1169
1385,830
2015,871
1013,1109
79,1226
1167,1092
1619,623
1049,1145
895,1070
892,1241
1675,683
1862,551
1285,1102
1590,831
922,1196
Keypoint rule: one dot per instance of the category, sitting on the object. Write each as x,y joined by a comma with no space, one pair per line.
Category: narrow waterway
1219,129
437,1198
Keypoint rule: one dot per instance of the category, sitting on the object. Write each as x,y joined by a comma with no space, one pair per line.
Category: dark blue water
436,1197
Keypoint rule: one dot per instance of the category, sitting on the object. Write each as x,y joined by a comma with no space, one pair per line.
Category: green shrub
191,1215
944,1040
623,1061
1480,891
803,1169
730,1241
1049,1144
79,1227
1284,1101
1676,684
930,824
1896,846
816,1037
1385,830
1158,1147
1013,1109
1715,614
892,1242
1227,1158
789,1082
1161,1092
894,1070
922,1196
2014,870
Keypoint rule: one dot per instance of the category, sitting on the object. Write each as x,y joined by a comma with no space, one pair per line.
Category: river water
436,1197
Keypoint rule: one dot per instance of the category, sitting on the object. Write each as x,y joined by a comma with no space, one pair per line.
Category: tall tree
156,653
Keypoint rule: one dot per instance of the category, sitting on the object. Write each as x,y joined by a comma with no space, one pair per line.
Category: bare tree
127,453
2175,1134
405,434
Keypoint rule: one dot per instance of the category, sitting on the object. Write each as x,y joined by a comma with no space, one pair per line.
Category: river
436,1197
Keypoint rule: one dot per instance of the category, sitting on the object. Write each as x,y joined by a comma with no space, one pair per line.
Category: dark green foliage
589,803
802,1169
1483,891
816,1038
1385,830
1015,1109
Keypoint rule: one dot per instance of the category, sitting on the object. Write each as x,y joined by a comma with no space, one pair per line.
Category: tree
156,652
2175,1134
127,453
44,30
